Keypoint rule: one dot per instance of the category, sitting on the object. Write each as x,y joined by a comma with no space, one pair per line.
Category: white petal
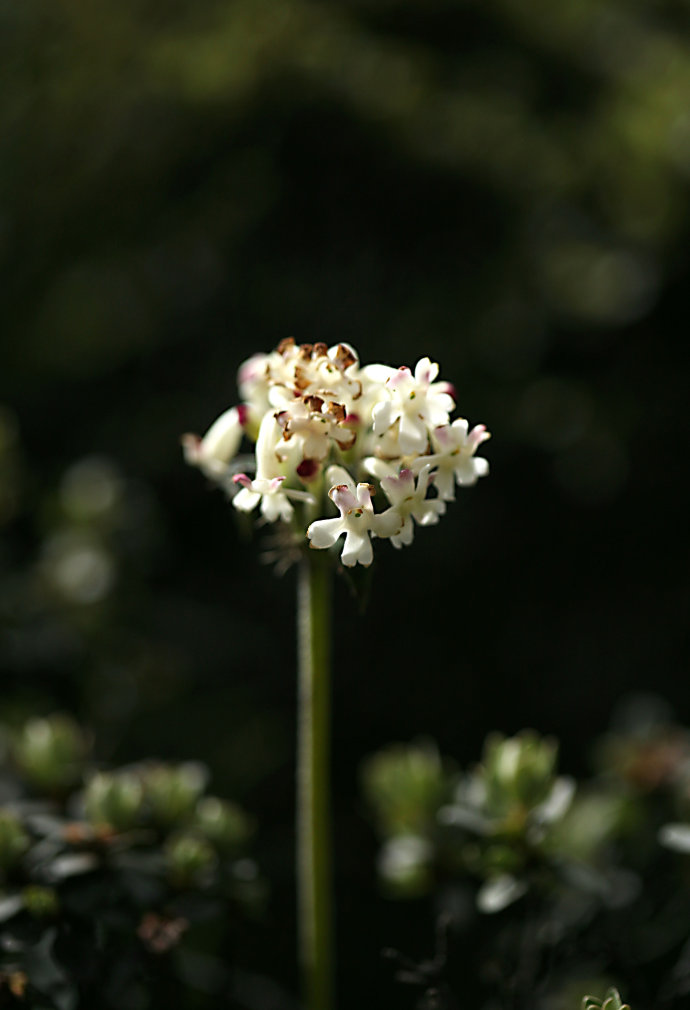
222,440
460,425
428,512
387,524
276,506
377,373
380,468
425,371
357,550
406,535
438,408
382,416
325,532
412,435
246,500
268,440
466,472
336,475
444,482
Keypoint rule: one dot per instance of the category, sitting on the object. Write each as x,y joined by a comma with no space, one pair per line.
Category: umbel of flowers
331,435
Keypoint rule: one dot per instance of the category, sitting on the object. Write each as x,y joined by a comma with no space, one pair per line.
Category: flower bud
51,753
223,823
114,800
517,772
173,792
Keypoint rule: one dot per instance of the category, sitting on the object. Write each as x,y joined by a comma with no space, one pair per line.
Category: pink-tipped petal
398,378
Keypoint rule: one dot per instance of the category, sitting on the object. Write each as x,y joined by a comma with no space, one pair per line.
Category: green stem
314,883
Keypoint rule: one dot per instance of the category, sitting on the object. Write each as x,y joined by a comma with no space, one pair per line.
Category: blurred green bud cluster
224,824
493,823
172,792
90,857
113,800
51,753
611,1001
164,798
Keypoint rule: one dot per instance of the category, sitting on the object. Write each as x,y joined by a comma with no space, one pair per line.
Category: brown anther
320,350
344,356
314,403
285,345
301,381
337,411
305,351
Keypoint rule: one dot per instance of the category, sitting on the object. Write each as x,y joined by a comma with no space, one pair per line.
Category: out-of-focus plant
611,1001
509,804
106,876
578,877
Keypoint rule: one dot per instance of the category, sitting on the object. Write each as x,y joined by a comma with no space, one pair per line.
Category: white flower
267,488
315,424
416,403
213,452
271,494
357,521
454,458
410,503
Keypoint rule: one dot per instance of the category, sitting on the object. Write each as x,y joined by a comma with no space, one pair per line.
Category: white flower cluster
322,423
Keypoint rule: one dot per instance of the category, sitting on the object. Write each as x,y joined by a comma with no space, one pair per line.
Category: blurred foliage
574,878
112,882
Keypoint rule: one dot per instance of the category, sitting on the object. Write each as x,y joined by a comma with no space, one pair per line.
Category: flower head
323,426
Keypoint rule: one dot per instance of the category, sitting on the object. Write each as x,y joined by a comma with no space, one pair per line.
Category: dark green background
500,185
